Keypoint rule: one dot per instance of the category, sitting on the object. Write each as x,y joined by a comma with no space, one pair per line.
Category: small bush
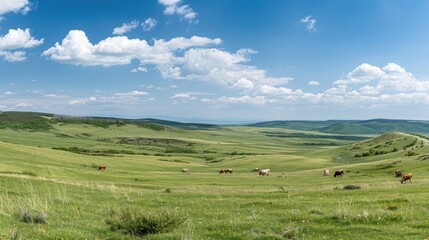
351,187
29,173
411,153
25,215
142,223
168,190
392,208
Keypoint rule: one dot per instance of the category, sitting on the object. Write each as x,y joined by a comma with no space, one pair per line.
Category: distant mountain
373,126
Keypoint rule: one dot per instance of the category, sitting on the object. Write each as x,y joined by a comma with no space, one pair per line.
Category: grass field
52,173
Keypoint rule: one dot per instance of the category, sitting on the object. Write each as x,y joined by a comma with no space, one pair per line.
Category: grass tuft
25,215
142,223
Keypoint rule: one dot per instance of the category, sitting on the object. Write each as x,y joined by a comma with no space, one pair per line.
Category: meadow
48,173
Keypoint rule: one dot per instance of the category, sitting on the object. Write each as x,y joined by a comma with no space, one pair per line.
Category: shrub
140,223
25,215
411,153
351,187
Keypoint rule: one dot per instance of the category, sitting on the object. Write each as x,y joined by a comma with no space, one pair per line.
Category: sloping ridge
386,146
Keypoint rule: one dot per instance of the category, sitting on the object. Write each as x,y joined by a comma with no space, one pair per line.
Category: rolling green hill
374,126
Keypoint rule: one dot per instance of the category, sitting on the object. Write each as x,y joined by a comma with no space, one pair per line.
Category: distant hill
188,126
35,121
373,126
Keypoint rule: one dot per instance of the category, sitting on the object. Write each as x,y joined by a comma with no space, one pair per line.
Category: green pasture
54,171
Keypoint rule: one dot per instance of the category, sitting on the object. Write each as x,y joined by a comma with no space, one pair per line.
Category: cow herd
266,172
398,173
262,172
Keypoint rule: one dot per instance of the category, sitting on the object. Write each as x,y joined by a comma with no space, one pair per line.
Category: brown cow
228,170
398,173
102,167
256,170
339,173
406,177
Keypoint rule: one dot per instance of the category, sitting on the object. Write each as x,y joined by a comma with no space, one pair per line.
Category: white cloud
174,7
313,83
9,93
183,96
78,102
178,58
389,86
220,67
17,39
139,69
16,56
361,74
126,27
131,94
76,49
23,105
149,24
310,23
15,6
256,100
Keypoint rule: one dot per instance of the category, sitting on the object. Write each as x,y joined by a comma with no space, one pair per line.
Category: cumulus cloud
149,24
174,7
22,6
17,39
220,67
178,59
361,74
310,23
313,83
390,85
126,27
76,49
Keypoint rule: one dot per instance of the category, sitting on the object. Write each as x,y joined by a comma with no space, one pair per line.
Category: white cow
326,172
264,172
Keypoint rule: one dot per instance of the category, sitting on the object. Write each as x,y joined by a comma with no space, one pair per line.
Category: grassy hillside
374,126
389,145
52,174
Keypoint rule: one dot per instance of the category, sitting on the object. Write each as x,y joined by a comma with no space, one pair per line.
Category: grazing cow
406,177
339,173
185,170
228,170
256,170
398,173
265,172
102,167
326,172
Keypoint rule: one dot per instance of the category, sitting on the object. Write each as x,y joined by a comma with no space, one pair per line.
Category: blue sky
220,60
